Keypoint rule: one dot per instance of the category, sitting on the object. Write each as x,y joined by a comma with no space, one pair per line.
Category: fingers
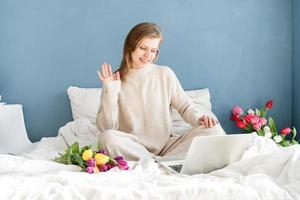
109,70
118,75
207,121
100,76
107,74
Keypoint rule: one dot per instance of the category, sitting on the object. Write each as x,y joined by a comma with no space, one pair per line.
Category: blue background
296,65
245,51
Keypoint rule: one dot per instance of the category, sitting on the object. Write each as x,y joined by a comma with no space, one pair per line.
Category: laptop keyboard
177,168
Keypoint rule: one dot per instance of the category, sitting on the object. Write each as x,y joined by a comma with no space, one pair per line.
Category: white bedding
265,171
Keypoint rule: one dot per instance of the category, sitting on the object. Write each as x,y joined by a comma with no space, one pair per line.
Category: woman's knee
215,130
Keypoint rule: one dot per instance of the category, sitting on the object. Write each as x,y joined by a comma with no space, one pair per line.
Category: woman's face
145,52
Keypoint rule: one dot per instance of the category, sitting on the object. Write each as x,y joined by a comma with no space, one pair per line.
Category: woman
134,114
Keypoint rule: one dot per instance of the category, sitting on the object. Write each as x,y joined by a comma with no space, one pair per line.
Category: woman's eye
153,51
143,48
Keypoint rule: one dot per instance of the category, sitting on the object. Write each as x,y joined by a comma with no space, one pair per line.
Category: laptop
208,153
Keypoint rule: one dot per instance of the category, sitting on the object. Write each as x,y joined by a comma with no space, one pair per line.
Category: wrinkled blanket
266,171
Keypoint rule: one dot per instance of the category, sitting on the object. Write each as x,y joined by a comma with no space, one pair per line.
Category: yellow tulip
87,154
101,159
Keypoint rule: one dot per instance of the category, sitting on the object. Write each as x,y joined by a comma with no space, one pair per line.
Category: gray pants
121,143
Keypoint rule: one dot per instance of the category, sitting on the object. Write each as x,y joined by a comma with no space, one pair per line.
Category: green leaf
294,141
263,112
248,129
74,148
294,131
272,125
77,160
260,132
285,143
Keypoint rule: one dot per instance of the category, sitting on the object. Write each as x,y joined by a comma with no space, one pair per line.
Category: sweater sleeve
182,102
107,117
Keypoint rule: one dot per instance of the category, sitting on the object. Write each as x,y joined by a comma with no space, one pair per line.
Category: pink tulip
91,162
269,104
90,170
257,126
285,131
263,121
236,110
254,119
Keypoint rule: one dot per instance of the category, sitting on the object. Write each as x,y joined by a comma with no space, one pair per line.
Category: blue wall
240,49
296,64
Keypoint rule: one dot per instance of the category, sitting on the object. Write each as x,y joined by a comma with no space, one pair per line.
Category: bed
265,171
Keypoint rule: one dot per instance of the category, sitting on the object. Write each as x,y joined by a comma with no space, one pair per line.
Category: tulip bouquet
256,121
89,160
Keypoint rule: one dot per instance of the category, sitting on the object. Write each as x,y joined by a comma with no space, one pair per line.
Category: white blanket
265,171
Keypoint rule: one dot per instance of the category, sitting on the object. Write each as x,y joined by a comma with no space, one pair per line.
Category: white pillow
85,103
201,99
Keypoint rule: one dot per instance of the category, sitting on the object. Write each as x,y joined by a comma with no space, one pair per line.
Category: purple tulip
122,164
90,170
103,151
110,165
119,158
91,162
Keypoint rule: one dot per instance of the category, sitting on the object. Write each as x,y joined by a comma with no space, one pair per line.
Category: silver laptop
208,153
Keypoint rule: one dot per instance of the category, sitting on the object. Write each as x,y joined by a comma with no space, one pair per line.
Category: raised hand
207,121
107,75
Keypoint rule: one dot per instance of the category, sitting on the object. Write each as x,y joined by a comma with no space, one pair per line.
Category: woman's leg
181,144
124,144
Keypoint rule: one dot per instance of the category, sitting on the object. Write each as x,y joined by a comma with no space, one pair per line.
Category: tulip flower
247,118
90,170
101,159
234,117
103,151
257,126
269,104
250,112
268,134
254,119
87,154
241,124
278,139
122,164
91,162
285,131
267,129
236,110
102,168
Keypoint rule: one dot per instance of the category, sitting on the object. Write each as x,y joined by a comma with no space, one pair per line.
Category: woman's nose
147,53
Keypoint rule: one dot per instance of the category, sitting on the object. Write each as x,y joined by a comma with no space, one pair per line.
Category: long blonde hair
133,39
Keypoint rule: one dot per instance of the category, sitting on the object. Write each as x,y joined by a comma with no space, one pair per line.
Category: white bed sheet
265,171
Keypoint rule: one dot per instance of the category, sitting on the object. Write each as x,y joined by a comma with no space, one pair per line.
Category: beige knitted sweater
140,105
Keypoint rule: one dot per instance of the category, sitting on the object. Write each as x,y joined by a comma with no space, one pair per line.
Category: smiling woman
134,115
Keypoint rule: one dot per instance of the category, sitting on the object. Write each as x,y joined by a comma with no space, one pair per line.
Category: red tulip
247,118
285,131
234,117
269,104
241,124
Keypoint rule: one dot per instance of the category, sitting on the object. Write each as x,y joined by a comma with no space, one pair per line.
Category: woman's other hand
107,75
207,121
